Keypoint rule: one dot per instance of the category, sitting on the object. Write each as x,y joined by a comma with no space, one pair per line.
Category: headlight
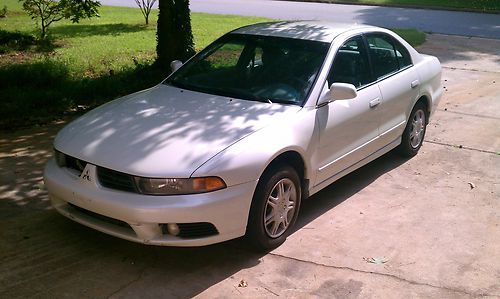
153,186
60,158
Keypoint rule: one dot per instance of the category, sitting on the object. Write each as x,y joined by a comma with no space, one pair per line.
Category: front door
348,128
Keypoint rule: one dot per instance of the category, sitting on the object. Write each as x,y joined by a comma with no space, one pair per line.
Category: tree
50,11
145,7
174,36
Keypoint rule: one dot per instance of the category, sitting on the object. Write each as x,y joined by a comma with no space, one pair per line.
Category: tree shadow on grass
79,30
41,91
20,41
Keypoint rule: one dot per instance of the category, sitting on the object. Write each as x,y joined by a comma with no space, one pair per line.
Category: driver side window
351,64
226,56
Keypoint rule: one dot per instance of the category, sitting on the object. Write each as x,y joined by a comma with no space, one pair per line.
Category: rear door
397,80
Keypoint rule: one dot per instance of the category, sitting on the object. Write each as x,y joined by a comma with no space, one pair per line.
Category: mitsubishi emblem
86,175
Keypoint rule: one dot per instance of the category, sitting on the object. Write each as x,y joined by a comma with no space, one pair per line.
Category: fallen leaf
376,260
40,186
472,186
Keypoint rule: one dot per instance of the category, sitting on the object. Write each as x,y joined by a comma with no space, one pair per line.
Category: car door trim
398,126
348,153
381,151
361,146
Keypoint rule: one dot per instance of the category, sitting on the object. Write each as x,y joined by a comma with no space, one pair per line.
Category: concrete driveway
424,227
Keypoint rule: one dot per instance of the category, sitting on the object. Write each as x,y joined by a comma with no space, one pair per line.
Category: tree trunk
174,36
43,34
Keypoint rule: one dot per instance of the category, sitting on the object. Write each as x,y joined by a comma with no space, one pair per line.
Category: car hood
164,131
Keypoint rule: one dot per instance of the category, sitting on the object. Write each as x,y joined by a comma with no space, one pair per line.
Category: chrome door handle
374,102
415,83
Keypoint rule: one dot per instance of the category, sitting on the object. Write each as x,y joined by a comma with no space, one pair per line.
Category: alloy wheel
280,208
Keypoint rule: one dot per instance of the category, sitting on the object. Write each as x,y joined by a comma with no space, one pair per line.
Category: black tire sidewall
256,233
405,148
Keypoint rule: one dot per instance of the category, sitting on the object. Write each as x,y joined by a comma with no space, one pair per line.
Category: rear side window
382,54
402,54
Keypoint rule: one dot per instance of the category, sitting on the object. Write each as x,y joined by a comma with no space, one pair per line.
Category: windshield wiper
176,84
226,92
292,102
238,94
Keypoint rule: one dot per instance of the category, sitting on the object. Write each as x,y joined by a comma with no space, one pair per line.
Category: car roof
310,30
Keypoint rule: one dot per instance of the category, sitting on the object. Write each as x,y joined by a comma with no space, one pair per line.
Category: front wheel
414,133
274,210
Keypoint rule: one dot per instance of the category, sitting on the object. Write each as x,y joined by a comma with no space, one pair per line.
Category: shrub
3,12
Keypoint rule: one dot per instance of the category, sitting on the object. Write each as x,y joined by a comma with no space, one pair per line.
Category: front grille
100,217
116,180
196,230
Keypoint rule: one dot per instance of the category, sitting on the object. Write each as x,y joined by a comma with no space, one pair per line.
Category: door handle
374,102
415,83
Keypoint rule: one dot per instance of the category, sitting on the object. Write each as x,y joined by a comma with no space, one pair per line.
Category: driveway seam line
465,69
465,292
139,277
462,147
470,114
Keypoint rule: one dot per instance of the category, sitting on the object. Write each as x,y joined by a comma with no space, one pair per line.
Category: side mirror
343,91
175,65
338,91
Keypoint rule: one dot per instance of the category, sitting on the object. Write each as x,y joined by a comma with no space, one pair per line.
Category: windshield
257,68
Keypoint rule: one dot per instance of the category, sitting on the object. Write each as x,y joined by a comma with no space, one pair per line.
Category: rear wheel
414,133
274,209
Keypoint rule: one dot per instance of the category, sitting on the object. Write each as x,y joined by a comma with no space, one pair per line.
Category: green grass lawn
89,63
467,5
114,40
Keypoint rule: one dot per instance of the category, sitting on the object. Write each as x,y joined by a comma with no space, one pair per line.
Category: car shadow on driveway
344,188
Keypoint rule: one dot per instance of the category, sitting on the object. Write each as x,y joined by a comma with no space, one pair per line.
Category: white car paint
137,132
174,133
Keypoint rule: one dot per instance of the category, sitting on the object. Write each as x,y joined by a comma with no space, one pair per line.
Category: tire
414,133
273,205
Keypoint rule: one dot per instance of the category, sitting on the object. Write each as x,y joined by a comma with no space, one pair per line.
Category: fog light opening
173,229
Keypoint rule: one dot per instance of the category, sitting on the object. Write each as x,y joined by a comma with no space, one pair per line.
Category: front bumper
139,218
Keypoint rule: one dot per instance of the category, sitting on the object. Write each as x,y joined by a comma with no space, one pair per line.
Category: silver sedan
238,136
